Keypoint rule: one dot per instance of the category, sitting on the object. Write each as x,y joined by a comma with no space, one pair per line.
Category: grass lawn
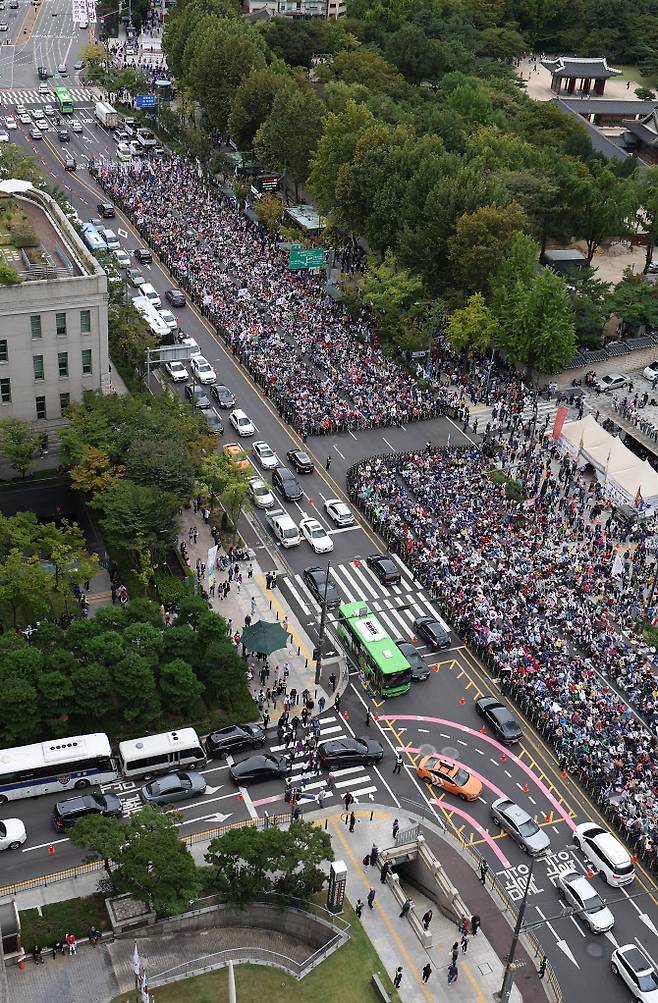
345,976
59,918
632,73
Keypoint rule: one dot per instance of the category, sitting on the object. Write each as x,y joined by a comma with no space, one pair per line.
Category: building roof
575,66
607,106
608,146
564,254
646,129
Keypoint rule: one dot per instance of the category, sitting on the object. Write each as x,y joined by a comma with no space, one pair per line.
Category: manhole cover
593,949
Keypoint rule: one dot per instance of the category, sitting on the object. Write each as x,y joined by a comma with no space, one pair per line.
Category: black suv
175,297
301,461
385,568
106,210
343,751
316,579
67,813
287,483
432,632
142,254
227,740
63,135
420,670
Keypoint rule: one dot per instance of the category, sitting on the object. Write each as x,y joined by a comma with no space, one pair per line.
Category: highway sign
145,101
306,258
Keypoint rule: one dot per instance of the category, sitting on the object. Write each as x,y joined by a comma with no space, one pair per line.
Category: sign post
336,890
145,101
305,258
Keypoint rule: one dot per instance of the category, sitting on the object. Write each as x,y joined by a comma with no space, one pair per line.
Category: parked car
226,741
202,370
347,751
105,210
432,632
385,569
610,382
177,371
197,397
241,422
66,813
605,852
260,492
301,461
634,968
135,277
222,396
650,372
449,777
338,512
213,421
316,582
256,769
316,535
420,670
236,455
175,296
12,833
173,787
501,720
580,894
521,826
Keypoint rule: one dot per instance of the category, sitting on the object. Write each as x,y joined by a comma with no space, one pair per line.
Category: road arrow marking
122,233
216,817
213,790
562,944
609,935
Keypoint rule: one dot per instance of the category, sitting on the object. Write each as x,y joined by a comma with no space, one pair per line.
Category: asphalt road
39,36
435,715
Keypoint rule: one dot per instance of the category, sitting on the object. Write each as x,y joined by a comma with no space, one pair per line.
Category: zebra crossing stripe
366,583
302,605
350,596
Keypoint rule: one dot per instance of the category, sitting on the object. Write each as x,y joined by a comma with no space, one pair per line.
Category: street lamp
323,622
508,976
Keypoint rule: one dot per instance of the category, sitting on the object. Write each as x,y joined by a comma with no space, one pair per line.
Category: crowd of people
323,368
547,589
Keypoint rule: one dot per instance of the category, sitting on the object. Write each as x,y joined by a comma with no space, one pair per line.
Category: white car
42,125
338,512
611,381
266,455
610,857
24,118
202,370
177,371
579,893
4,136
260,492
44,89
124,156
650,372
191,344
122,258
20,109
12,833
316,535
634,968
11,123
241,422
111,239
49,111
75,126
169,319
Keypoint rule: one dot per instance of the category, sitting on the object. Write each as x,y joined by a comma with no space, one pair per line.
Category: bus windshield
64,100
372,650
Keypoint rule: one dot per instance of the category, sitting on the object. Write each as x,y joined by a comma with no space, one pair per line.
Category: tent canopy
264,637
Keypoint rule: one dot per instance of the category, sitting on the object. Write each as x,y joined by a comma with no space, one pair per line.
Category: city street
435,716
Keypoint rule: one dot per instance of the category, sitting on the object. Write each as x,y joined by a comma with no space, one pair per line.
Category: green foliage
480,240
635,301
8,275
252,102
290,133
513,489
392,292
53,920
473,328
129,336
18,444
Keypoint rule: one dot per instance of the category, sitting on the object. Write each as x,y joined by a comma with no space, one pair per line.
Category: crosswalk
545,409
12,98
397,606
355,779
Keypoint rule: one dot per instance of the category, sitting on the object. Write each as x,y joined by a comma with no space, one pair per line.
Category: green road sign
305,258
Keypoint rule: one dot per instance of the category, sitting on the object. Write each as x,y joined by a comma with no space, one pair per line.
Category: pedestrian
406,906
367,717
396,827
266,720
542,967
475,925
37,955
371,898
484,867
352,821
321,704
374,853
385,871
337,703
250,571
427,971
253,606
358,908
268,581
398,977
190,533
113,590
327,463
398,763
427,919
349,799
332,682
195,534
455,952
453,973
71,944
464,943
93,936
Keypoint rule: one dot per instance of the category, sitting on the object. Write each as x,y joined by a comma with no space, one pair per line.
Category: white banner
212,564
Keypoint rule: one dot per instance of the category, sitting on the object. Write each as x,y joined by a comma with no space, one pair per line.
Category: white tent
578,437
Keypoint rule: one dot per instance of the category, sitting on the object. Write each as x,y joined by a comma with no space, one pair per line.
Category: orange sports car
452,779
236,454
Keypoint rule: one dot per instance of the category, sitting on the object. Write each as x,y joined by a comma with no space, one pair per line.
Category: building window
64,401
37,363
60,324
86,361
85,322
35,325
5,391
41,407
63,363
4,351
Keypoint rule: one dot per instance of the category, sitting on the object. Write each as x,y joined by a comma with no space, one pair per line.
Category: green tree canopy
290,133
18,444
473,328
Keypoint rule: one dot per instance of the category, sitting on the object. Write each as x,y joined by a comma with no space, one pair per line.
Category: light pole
323,621
508,976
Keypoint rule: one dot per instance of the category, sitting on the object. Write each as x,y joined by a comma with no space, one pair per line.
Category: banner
617,566
212,564
560,418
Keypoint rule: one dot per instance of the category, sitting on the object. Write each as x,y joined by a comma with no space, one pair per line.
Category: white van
606,853
146,289
144,757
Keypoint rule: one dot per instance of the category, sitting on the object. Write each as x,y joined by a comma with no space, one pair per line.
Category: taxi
235,453
452,779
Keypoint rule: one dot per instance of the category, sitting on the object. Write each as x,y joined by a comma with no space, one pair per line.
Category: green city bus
64,101
371,649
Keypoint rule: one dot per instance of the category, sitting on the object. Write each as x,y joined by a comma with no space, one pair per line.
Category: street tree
241,859
129,79
104,838
472,329
635,301
221,53
304,851
63,544
183,23
269,210
18,444
549,325
155,865
391,292
130,513
605,206
647,200
95,59
134,678
252,102
180,686
25,586
510,287
95,472
480,240
335,149
166,465
288,136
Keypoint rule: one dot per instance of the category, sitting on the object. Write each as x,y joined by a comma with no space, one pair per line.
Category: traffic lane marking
495,849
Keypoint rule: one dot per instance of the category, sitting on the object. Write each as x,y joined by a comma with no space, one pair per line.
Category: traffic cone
503,758
525,788
483,729
462,701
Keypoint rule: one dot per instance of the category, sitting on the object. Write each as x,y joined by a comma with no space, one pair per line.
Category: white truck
106,115
157,324
283,527
145,138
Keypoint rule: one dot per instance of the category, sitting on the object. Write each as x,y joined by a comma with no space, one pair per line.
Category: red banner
560,418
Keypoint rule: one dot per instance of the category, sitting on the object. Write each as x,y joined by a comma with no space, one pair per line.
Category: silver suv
520,826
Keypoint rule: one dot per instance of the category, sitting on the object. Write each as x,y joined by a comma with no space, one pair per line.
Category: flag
144,989
638,498
137,961
560,417
617,566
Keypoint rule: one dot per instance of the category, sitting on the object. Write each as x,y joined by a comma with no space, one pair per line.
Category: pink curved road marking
498,745
469,769
478,828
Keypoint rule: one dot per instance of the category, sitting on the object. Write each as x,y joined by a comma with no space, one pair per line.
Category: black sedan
315,580
385,569
501,721
175,297
420,670
259,768
143,255
222,396
349,751
234,738
432,632
63,135
197,396
301,461
213,421
173,787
